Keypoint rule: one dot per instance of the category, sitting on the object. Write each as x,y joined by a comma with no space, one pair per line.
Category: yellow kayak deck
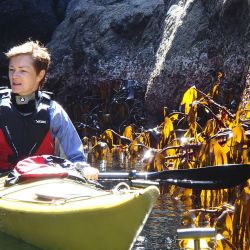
64,214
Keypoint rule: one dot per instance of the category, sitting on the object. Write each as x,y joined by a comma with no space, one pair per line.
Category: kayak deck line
52,195
55,197
52,200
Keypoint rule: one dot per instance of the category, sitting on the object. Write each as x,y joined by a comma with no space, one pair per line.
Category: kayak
60,213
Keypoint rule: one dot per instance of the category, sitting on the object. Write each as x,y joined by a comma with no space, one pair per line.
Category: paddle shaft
211,177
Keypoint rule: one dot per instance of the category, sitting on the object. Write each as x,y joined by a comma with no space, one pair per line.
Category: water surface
160,229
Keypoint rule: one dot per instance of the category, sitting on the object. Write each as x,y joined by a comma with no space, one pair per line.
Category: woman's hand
90,173
87,171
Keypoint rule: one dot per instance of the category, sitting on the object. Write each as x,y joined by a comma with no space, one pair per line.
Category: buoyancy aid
22,136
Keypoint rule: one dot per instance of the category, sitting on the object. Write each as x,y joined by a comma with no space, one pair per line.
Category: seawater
160,230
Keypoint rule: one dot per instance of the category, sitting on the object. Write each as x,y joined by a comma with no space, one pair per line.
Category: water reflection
160,229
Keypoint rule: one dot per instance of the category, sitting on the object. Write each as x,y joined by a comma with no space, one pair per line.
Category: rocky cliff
165,45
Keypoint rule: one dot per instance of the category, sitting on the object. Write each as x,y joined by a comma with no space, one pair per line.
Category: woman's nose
15,74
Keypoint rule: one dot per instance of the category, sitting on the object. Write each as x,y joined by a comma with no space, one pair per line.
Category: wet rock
105,40
166,46
22,19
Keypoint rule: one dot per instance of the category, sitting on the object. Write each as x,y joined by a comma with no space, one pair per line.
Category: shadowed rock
22,19
166,46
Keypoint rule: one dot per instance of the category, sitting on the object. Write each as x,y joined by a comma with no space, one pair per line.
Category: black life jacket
23,134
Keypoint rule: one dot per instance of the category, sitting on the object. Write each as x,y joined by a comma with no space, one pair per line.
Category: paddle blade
212,177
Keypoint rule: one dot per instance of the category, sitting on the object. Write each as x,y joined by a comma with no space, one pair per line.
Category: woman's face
23,77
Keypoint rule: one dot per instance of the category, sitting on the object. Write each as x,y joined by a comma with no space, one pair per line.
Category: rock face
106,40
23,19
165,45
208,37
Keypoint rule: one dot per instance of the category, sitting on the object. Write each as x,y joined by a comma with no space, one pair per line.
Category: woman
30,122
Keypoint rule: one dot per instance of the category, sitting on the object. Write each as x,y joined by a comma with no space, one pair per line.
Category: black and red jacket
23,135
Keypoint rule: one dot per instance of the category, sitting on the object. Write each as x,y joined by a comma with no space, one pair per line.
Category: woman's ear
41,75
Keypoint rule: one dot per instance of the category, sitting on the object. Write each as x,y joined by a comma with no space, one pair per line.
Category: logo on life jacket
41,121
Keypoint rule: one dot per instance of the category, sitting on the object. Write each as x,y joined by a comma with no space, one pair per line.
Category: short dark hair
39,53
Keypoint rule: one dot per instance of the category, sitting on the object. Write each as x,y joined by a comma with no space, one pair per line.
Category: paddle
211,177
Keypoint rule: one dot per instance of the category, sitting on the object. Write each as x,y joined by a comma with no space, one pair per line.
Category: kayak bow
65,214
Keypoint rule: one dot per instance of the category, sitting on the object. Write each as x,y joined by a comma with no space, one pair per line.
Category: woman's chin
15,91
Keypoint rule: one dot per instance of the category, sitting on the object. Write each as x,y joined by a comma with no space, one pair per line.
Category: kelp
182,141
107,104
